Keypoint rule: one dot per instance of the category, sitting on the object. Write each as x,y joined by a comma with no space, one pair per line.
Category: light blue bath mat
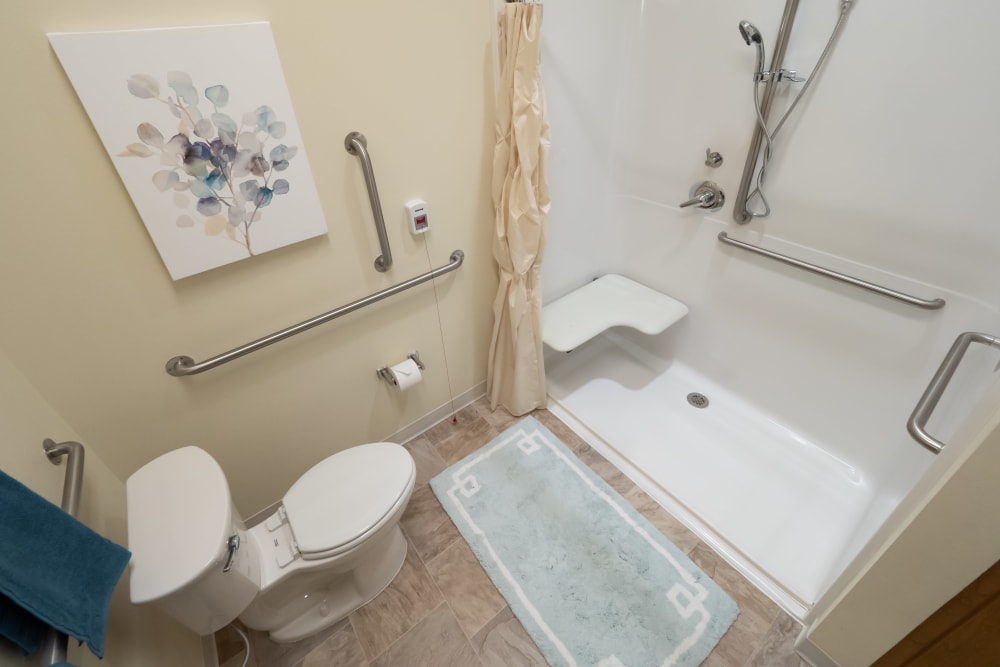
592,581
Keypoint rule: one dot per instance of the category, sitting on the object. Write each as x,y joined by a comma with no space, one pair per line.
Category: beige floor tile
471,433
569,438
410,597
504,642
427,525
272,654
341,648
757,611
672,529
429,462
615,478
778,646
466,587
500,419
466,418
230,647
437,641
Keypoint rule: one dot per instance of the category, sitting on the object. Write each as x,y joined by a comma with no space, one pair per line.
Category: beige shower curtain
516,375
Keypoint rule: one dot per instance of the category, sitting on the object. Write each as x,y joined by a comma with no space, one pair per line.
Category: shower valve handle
707,195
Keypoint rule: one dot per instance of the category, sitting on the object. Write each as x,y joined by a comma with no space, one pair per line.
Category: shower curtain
516,373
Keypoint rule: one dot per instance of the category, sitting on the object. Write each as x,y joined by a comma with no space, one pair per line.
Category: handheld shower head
752,36
750,32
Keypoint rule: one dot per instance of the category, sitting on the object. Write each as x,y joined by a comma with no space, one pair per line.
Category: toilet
332,544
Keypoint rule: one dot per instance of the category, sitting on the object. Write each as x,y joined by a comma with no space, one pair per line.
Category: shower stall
772,417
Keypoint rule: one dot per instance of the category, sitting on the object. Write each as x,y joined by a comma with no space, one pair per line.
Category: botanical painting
199,124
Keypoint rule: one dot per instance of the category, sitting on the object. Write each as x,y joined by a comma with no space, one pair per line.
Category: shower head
750,32
752,36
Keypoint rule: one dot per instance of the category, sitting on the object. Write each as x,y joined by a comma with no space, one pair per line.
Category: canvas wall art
198,122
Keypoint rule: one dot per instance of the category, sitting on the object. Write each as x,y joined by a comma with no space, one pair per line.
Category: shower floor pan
777,506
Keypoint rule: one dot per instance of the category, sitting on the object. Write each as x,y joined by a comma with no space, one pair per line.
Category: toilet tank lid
345,495
179,518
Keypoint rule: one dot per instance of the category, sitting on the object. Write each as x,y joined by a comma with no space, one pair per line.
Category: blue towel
53,571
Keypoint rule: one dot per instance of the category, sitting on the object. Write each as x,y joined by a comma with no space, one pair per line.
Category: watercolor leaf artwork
204,140
220,163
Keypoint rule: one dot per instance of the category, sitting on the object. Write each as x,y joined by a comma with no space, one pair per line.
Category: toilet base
347,592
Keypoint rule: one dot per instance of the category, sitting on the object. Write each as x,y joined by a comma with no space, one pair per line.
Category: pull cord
444,351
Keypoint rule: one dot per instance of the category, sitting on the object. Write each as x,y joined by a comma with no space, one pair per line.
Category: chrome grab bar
740,211
54,648
917,422
183,365
932,304
356,144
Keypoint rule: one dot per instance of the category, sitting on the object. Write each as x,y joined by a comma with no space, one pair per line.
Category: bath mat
591,580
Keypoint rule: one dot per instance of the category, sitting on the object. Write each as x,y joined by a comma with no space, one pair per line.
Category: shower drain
698,400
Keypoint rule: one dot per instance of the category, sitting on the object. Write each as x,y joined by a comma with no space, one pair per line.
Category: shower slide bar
929,304
917,423
181,366
741,212
54,648
356,144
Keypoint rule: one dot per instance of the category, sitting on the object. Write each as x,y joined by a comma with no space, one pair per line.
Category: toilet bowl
331,545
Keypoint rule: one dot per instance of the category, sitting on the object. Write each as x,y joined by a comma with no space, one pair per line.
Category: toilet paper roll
406,373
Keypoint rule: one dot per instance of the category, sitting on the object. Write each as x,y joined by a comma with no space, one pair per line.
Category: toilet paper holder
386,375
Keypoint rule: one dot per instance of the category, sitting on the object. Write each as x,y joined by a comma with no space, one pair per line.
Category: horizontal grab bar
183,365
917,422
932,304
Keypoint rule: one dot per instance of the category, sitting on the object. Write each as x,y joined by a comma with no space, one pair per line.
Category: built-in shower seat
611,300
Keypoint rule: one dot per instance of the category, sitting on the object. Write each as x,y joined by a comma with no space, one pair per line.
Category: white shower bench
609,301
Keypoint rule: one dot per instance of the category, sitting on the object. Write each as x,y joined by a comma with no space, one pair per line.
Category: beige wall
91,315
136,636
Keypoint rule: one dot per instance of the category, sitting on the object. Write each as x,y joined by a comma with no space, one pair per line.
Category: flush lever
233,544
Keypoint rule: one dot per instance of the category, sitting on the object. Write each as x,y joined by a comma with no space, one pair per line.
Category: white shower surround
802,454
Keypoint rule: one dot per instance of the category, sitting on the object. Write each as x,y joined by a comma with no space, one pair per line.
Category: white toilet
331,546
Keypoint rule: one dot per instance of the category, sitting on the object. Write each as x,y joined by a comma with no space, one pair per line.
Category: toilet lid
345,495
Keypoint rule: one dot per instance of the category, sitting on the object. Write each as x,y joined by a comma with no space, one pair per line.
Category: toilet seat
341,500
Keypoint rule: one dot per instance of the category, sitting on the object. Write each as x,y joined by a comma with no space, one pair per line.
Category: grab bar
917,422
741,213
356,144
54,648
183,365
932,304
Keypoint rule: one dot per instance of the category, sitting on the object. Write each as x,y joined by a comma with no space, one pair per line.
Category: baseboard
437,415
811,653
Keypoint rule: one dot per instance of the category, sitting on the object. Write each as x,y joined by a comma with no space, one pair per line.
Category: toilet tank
180,521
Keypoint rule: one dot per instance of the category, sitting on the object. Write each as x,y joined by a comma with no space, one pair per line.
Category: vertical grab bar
356,144
917,422
54,649
740,211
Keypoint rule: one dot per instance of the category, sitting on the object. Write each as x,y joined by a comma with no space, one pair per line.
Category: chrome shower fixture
752,36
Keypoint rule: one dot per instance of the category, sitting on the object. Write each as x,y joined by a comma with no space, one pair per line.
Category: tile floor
443,611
